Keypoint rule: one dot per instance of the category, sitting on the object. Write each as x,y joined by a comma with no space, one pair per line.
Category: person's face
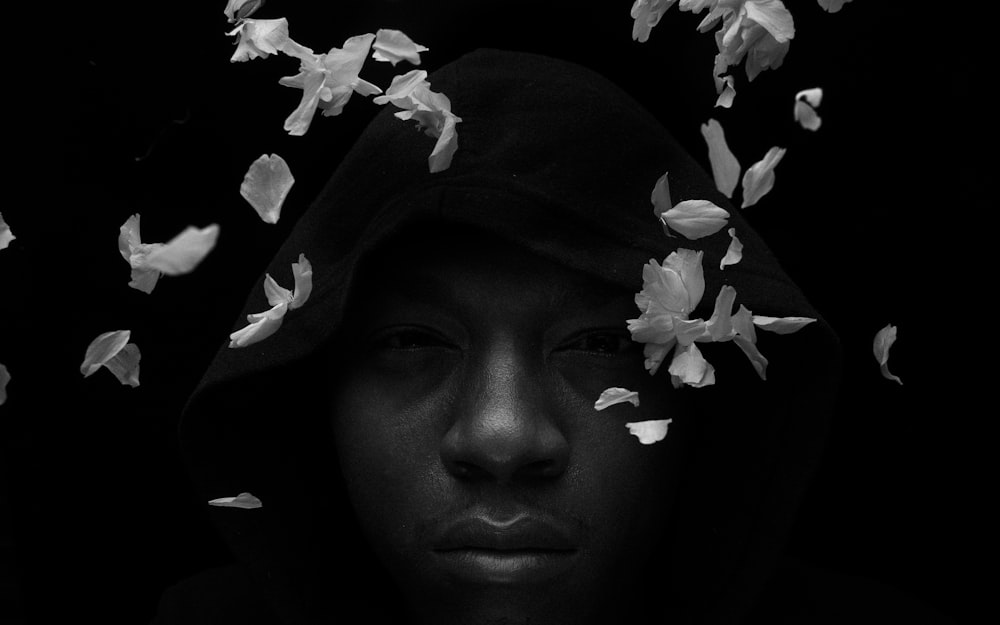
485,480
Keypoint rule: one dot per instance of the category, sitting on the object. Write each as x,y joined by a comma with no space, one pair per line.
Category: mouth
524,549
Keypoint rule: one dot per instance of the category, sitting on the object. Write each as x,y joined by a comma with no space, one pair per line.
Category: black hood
559,160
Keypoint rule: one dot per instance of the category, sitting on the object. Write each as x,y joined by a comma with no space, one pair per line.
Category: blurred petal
832,5
655,353
262,326
646,14
883,341
660,197
735,252
265,186
102,349
616,395
240,9
649,432
4,379
183,253
6,236
773,16
725,167
696,218
125,365
690,367
394,46
243,500
759,179
813,96
781,325
302,271
806,116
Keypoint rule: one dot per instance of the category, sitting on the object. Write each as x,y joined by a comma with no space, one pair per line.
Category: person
422,432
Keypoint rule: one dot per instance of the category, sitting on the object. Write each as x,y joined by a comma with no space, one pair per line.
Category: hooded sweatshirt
556,159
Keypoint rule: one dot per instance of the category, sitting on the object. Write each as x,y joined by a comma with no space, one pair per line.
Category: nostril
468,470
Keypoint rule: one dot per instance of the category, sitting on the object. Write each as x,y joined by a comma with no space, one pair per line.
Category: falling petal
660,197
302,271
265,186
696,218
6,236
394,46
883,341
725,167
805,112
727,92
4,379
616,395
262,325
773,16
135,252
125,365
690,367
759,179
756,358
182,254
103,349
240,9
781,325
243,500
649,432
720,326
655,354
833,5
646,14
735,252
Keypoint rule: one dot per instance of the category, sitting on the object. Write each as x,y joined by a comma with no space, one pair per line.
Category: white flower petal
259,39
649,432
240,9
690,367
687,264
725,167
447,144
773,16
243,500
266,185
616,395
275,293
655,354
813,96
720,326
4,380
832,5
394,46
781,325
696,218
759,178
262,325
102,349
302,271
125,365
660,197
185,251
756,358
734,253
6,236
646,14
806,116
883,341
727,91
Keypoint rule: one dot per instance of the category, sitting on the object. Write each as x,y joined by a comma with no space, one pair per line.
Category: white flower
4,379
734,253
806,102
759,178
6,236
148,260
696,218
243,500
393,46
112,350
725,167
265,186
649,432
646,14
431,110
833,5
883,341
616,395
327,82
239,9
262,38
263,325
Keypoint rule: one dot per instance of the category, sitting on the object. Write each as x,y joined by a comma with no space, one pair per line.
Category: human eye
408,338
605,342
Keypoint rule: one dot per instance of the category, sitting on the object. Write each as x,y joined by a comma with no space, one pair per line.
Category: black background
140,110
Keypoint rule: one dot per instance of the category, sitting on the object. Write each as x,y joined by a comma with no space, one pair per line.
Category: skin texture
474,371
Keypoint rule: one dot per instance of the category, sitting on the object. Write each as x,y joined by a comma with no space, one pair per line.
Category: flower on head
113,351
262,38
178,256
430,109
647,14
759,178
883,341
328,81
263,325
393,46
265,186
806,102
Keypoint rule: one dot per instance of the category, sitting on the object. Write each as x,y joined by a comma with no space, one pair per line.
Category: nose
501,430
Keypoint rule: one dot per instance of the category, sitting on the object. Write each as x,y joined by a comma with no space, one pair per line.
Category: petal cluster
262,38
328,80
113,351
265,186
431,110
264,324
178,256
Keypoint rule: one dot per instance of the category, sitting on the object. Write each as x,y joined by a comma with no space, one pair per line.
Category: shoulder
802,593
217,596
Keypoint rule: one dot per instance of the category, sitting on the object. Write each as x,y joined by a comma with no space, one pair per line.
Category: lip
523,549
